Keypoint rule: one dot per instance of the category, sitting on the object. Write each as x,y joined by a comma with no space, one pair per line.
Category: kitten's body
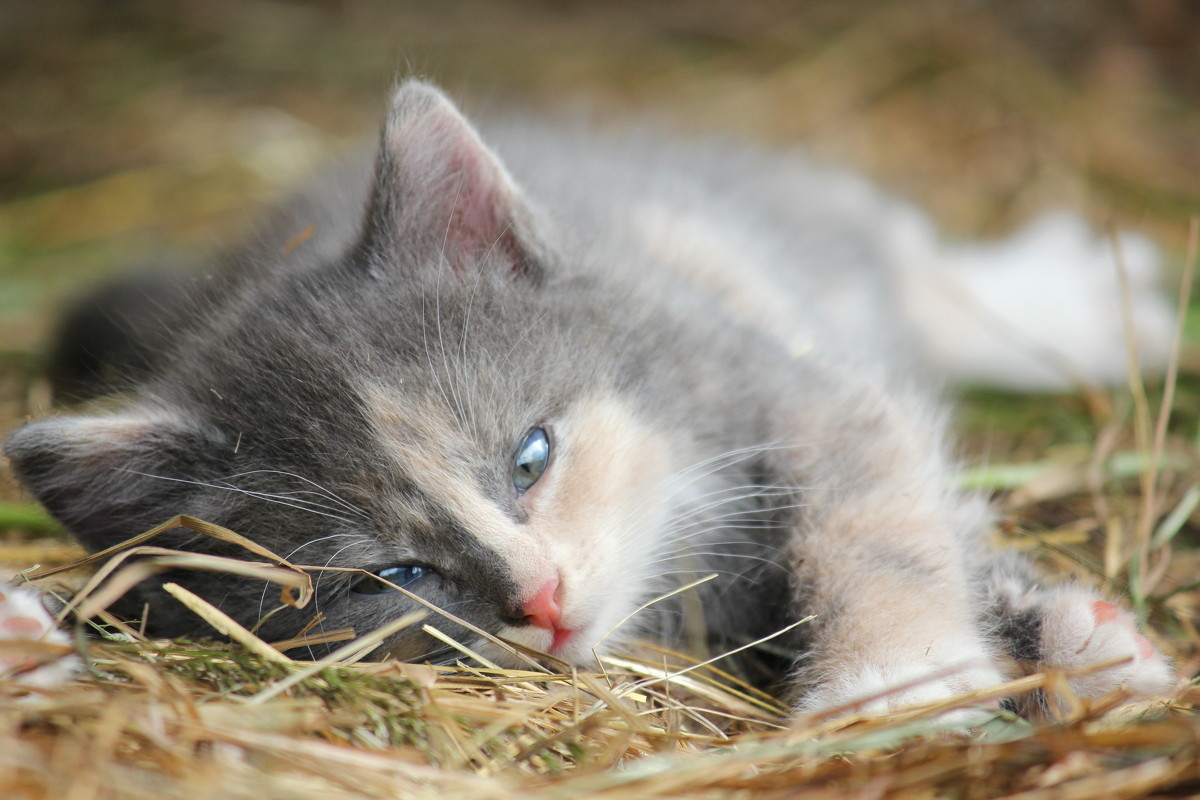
727,351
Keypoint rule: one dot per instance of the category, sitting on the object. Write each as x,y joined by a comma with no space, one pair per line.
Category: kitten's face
474,448
435,408
552,560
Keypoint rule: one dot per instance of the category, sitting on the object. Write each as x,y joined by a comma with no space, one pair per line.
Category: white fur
889,681
1042,309
21,602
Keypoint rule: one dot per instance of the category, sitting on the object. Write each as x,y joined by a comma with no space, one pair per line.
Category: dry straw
163,719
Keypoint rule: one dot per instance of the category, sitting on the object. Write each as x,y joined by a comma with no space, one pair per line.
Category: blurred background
130,129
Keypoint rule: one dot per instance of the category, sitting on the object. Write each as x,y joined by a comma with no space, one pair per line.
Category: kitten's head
441,407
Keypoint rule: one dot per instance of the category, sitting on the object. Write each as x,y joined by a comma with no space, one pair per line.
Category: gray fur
501,304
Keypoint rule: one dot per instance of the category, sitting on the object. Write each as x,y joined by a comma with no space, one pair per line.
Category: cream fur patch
601,509
414,435
592,520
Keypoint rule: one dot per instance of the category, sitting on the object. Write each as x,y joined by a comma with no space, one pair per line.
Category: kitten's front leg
882,558
895,621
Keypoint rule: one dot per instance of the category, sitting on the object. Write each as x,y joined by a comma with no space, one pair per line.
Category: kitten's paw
31,645
877,689
1080,630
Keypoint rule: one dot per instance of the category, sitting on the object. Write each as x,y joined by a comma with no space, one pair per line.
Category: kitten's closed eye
402,575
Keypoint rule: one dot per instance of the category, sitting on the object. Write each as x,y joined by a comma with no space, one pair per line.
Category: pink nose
543,609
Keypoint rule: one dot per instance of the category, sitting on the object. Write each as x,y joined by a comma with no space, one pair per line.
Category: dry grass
177,719
124,140
162,719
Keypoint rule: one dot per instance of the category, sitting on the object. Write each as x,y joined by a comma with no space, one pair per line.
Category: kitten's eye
401,576
532,458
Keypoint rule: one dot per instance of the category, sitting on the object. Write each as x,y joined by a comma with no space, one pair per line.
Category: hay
197,720
169,719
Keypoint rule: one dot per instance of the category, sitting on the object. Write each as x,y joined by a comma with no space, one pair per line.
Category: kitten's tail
1044,309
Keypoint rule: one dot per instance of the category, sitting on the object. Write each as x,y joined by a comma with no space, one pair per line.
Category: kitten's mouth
561,637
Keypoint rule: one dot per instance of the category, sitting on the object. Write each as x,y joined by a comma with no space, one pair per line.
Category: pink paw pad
1081,632
1104,611
20,626
1145,649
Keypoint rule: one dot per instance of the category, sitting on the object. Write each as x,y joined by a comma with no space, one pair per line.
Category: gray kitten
542,392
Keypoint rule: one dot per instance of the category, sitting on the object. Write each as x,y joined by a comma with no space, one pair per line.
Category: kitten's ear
441,195
107,478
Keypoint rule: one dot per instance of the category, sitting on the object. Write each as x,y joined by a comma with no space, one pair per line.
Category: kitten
543,397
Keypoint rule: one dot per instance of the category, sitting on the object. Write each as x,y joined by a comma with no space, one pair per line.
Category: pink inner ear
474,222
479,210
449,190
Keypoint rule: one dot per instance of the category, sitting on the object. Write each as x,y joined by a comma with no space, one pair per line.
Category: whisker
267,585
711,465
740,576
292,502
725,543
437,656
470,307
236,490
322,490
708,467
316,594
738,519
722,556
437,299
739,498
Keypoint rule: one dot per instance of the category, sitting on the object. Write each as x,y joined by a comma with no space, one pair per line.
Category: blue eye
531,460
401,576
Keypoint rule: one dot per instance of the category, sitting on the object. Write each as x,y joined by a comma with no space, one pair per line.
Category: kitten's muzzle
544,610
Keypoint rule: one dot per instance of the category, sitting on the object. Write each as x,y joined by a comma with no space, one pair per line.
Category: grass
178,719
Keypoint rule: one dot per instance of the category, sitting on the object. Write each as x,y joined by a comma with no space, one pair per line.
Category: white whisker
366,540
236,490
322,490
